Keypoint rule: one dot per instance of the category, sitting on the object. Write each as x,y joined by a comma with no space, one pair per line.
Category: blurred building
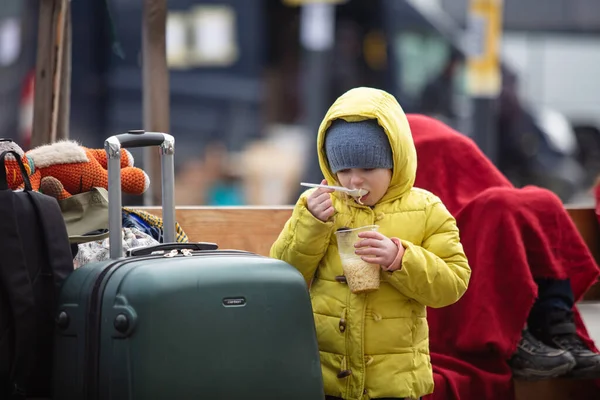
237,78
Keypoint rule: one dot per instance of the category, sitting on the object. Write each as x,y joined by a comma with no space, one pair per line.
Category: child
374,345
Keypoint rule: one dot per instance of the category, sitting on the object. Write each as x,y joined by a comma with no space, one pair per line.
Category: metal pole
485,132
483,72
317,26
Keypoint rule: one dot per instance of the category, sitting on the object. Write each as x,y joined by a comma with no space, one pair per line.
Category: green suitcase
183,320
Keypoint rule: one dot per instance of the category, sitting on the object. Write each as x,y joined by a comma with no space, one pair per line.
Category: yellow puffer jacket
376,344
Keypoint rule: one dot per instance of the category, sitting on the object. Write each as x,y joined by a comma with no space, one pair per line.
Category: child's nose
357,181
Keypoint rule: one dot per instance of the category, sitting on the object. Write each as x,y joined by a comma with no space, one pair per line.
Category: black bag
35,259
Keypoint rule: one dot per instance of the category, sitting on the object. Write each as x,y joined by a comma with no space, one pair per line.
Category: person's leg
554,251
553,306
507,249
551,321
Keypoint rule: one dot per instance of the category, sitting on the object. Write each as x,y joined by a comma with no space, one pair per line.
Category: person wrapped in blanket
530,265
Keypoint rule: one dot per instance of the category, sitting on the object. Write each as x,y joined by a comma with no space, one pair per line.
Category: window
10,32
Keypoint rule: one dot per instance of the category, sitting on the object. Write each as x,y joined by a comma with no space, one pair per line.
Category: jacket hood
367,103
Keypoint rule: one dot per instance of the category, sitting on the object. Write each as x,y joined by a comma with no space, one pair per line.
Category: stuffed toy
66,168
13,175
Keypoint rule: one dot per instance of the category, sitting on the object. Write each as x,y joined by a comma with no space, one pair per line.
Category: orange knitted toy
66,168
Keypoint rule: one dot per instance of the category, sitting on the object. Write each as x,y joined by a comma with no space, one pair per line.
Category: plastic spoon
357,193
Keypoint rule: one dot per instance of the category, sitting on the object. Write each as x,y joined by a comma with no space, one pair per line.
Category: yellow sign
304,2
483,47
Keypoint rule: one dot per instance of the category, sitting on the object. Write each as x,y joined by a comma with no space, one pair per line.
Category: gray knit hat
361,144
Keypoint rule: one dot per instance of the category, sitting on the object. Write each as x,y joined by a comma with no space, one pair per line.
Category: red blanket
510,236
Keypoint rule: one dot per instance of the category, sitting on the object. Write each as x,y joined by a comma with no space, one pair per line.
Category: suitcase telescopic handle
113,146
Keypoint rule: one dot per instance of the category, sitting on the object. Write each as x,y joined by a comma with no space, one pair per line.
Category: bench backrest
256,228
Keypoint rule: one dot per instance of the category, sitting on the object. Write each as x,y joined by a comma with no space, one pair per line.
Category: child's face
376,181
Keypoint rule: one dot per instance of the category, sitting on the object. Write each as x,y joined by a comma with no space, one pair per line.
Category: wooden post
64,104
53,73
155,87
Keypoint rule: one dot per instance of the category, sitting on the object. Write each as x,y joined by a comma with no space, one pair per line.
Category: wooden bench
587,223
256,228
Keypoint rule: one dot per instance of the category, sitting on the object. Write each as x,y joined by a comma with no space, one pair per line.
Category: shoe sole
588,373
536,375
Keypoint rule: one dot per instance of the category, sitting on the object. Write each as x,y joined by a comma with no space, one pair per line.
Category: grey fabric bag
86,215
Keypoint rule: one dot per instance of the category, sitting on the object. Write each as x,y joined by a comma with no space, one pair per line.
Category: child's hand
376,248
319,203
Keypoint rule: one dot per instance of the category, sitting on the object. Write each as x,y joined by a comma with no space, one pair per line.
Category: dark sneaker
558,330
534,360
588,362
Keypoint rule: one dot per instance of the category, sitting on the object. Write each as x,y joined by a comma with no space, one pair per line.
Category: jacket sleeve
436,273
303,241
